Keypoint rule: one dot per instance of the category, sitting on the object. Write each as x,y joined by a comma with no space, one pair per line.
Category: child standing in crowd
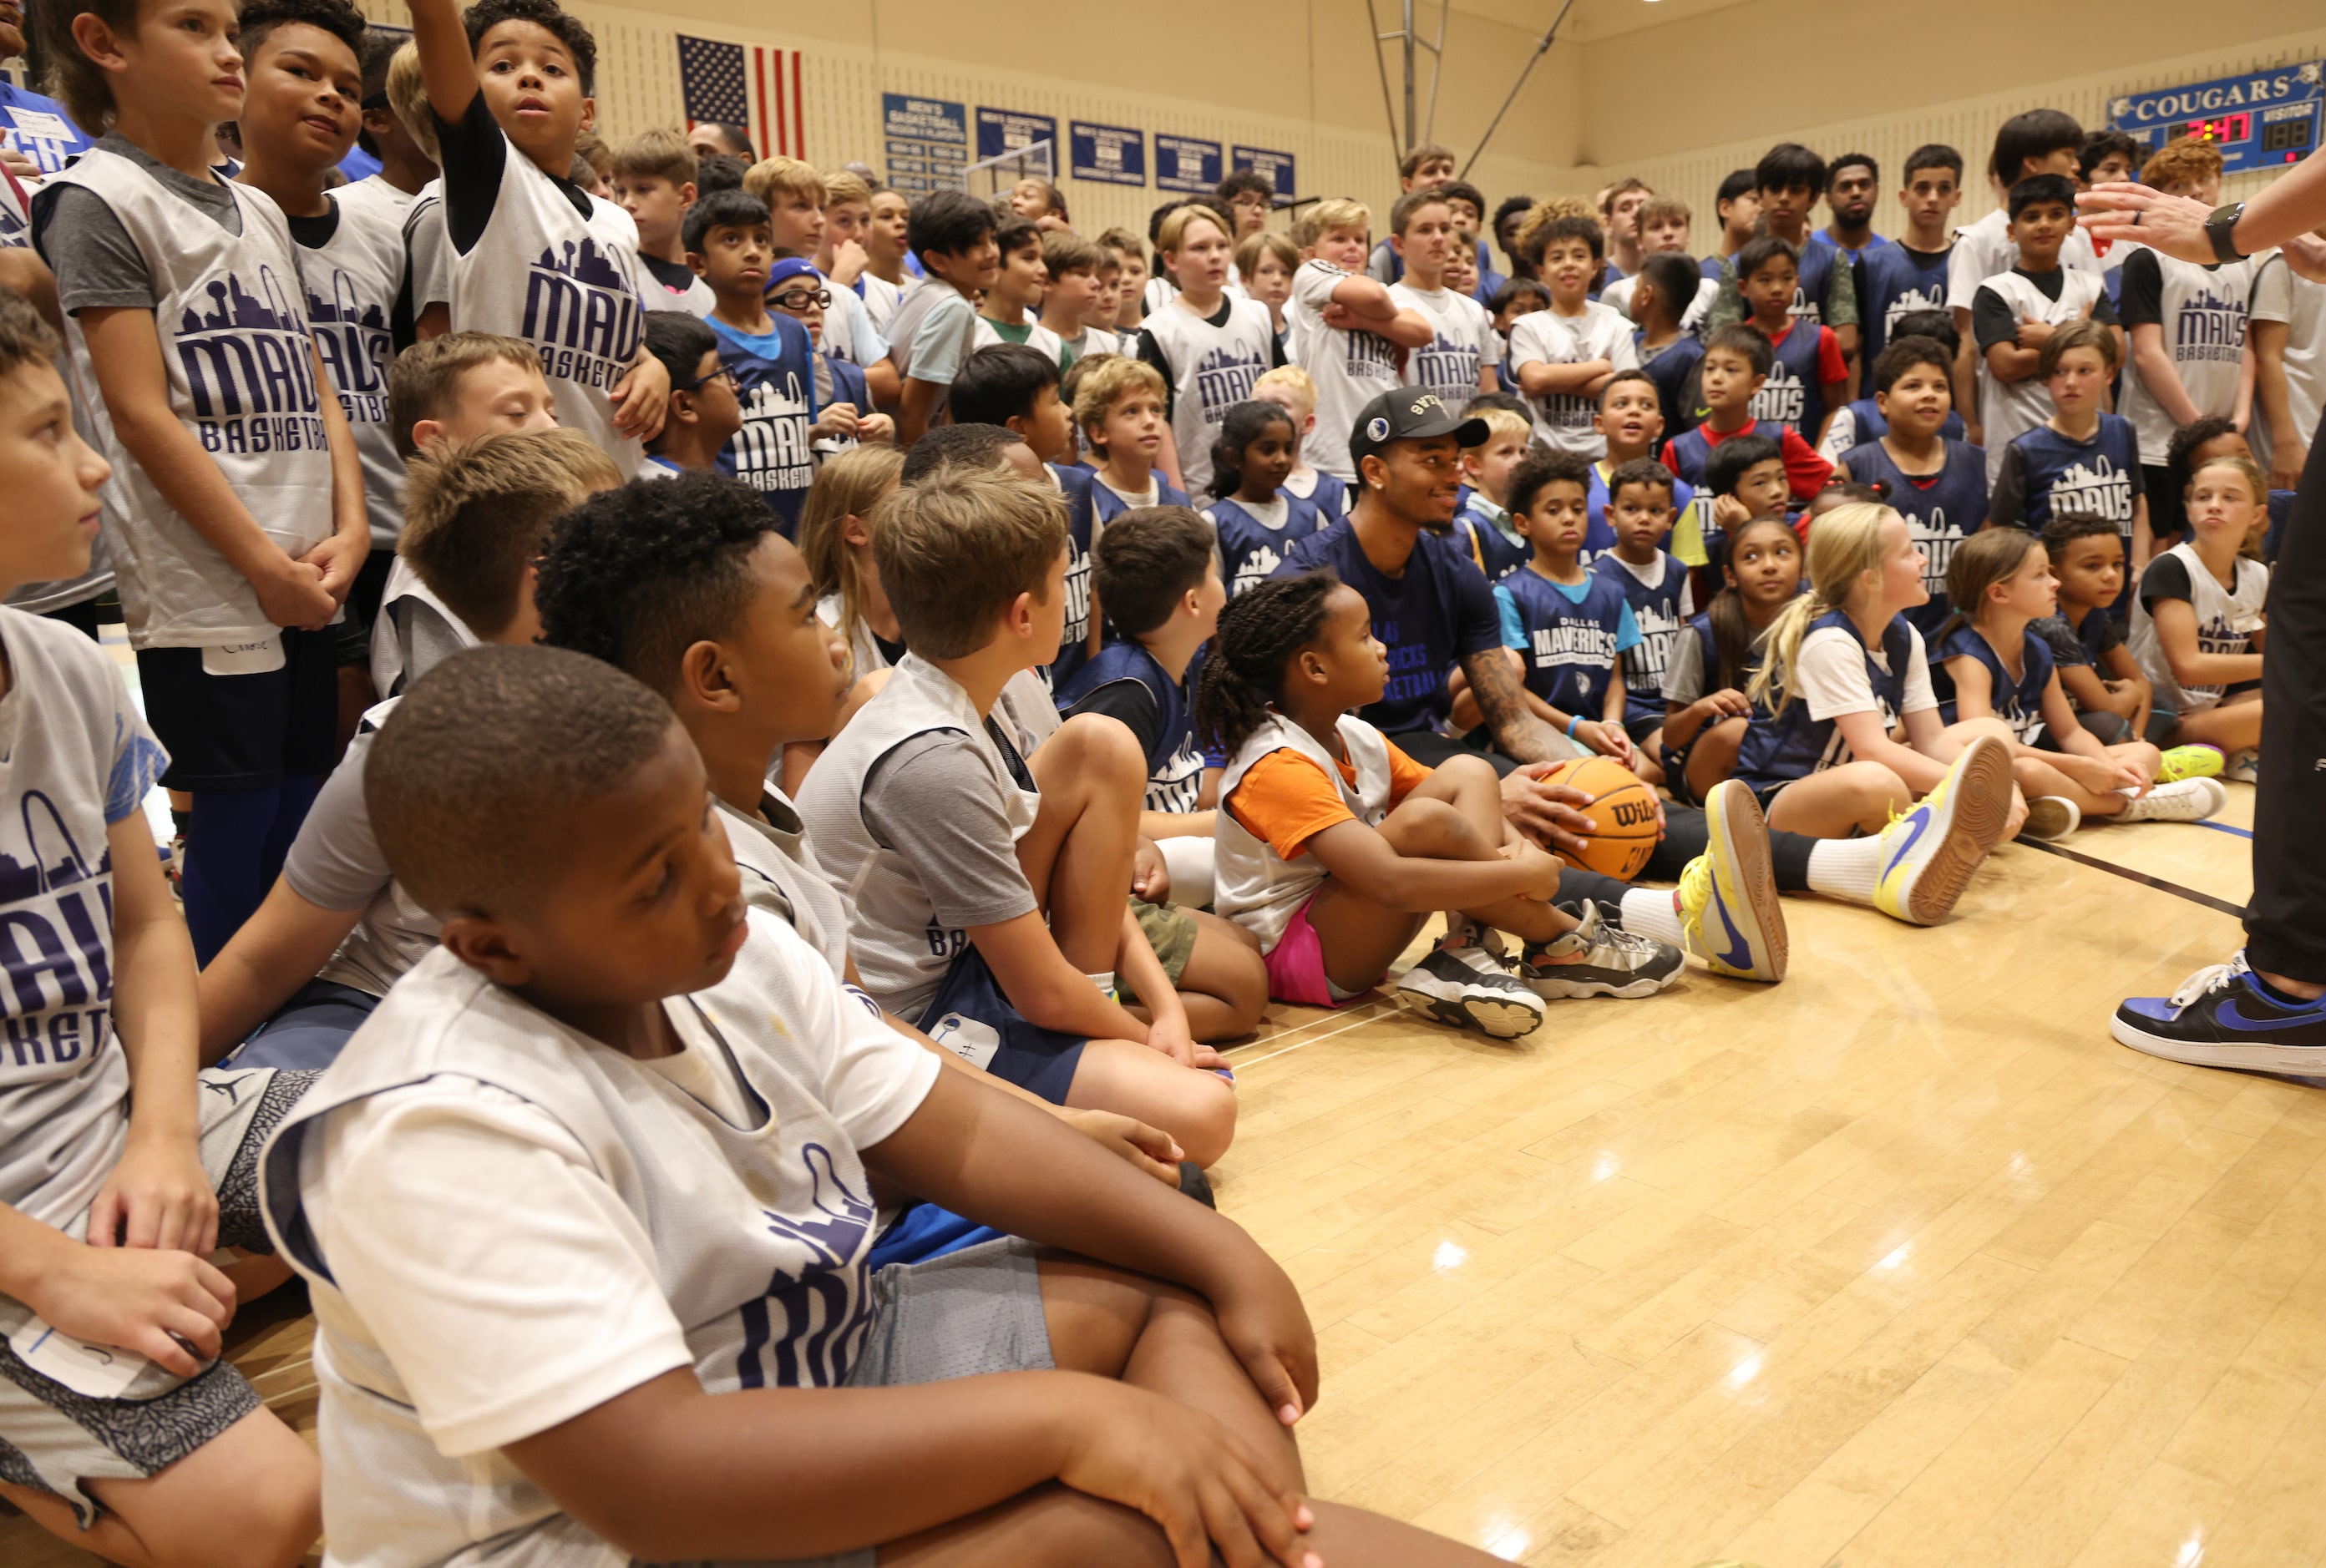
1014,299
1910,275
934,329
1564,356
233,557
509,82
2016,312
1459,358
2080,461
1266,261
1347,330
1118,404
1496,542
1208,347
1667,351
1070,298
1631,422
887,250
1808,376
1289,388
654,182
1256,522
769,355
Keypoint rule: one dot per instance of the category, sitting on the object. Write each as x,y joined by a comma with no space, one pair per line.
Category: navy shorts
970,1017
245,732
1641,726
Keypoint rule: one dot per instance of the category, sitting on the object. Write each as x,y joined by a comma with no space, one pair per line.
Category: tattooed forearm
1502,704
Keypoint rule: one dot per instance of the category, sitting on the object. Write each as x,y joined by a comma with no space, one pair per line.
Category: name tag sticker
98,1371
973,1042
40,123
257,658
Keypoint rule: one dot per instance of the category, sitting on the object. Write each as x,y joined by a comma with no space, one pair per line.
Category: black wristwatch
2221,228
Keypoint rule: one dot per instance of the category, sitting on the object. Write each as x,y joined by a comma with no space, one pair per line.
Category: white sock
1654,912
1104,981
1846,867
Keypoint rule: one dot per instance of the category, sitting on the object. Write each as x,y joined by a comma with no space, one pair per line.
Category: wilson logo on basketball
1633,813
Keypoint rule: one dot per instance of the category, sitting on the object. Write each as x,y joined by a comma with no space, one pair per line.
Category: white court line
1397,1006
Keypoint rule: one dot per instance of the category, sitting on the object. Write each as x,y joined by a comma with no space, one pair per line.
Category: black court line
2235,911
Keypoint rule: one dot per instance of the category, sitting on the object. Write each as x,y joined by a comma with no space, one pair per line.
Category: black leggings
2285,924
1685,833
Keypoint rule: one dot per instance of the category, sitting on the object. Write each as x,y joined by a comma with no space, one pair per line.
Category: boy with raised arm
534,256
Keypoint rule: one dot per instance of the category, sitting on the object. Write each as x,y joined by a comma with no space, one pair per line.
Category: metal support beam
1541,50
1409,41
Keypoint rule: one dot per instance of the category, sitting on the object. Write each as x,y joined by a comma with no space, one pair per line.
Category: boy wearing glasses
705,410
843,398
730,244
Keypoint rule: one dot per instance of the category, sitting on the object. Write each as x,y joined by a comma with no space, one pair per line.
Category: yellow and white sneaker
1728,907
1929,854
2196,760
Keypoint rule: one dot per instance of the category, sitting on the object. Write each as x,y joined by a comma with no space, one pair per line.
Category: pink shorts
1296,965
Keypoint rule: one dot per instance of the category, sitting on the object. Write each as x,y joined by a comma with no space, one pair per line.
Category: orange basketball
1623,810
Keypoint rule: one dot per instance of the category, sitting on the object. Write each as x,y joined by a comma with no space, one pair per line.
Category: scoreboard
2263,119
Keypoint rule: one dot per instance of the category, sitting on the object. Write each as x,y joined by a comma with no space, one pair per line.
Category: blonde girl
837,540
2197,626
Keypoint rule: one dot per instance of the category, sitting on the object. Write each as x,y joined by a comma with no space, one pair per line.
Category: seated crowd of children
685,676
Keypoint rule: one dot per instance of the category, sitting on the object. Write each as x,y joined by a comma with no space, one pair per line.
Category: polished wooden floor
1901,1263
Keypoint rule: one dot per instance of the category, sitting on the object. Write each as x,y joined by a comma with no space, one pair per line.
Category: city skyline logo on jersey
247,368
582,311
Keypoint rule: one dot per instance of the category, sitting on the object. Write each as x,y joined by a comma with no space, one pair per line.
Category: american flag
735,84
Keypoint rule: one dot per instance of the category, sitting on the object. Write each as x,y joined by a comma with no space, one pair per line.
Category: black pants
2286,926
1685,834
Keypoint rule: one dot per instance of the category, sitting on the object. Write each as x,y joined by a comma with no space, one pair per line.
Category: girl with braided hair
1333,846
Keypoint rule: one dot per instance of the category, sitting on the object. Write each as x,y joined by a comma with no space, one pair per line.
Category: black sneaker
2222,1017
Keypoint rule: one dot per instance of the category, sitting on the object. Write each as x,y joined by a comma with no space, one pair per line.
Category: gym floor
1901,1262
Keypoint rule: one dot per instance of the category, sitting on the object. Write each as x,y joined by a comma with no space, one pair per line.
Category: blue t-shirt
1943,509
2018,701
775,380
39,128
1570,636
1440,612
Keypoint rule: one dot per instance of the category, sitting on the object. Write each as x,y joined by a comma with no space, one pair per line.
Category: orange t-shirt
1284,799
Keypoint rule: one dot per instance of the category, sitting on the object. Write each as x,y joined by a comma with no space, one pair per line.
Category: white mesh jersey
1563,419
351,282
233,328
1215,361
567,285
1258,888
1465,343
2012,408
1350,369
2226,621
2201,313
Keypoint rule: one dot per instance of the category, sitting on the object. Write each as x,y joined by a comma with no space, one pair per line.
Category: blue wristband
1571,724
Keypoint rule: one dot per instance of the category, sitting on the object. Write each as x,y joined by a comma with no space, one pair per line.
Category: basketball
1625,809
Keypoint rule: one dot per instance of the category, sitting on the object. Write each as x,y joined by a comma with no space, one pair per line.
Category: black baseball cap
1410,413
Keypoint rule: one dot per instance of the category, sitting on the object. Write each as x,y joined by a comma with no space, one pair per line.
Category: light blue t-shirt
944,333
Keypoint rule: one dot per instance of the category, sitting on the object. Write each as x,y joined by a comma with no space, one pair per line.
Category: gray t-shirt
934,801
335,863
75,758
97,264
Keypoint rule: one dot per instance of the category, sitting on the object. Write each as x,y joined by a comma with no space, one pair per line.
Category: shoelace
2203,982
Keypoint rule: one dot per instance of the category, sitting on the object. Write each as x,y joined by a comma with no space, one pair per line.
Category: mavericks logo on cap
1377,429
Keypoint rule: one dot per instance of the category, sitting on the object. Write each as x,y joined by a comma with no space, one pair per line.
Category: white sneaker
1464,986
2244,768
2193,799
2050,818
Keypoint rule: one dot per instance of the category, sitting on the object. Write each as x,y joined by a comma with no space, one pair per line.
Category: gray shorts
966,1314
53,1438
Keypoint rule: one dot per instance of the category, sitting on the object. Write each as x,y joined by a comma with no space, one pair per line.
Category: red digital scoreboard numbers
2226,129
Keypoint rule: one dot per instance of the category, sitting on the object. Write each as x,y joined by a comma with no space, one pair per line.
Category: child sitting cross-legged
1842,670
154,1450
1484,521
2198,622
2113,698
1158,577
1566,625
522,1354
335,932
1706,711
1256,519
990,886
693,590
1333,845
1991,663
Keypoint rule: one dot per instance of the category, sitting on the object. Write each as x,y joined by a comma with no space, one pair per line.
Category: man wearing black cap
1432,608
